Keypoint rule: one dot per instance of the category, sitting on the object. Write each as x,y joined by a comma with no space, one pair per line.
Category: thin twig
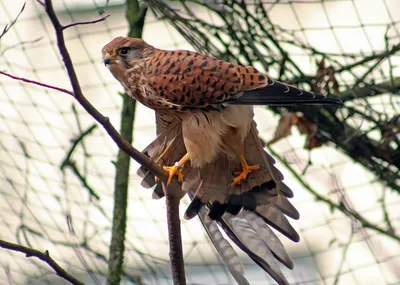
86,22
8,26
38,83
75,142
339,272
20,44
44,256
71,164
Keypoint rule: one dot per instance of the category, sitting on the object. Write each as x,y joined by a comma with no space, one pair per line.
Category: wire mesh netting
56,164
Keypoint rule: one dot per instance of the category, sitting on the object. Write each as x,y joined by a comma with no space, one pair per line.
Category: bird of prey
207,138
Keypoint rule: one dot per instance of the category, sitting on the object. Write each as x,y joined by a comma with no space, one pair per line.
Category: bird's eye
123,51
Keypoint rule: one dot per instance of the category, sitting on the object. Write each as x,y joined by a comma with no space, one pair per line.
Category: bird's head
123,53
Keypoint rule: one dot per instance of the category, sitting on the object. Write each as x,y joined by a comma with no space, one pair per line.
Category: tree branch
44,256
135,16
8,26
38,83
371,90
174,234
75,142
104,121
86,22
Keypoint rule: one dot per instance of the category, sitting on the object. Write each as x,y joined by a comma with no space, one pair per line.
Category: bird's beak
107,59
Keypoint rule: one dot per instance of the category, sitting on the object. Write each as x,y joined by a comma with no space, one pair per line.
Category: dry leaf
324,81
308,128
287,120
305,127
390,131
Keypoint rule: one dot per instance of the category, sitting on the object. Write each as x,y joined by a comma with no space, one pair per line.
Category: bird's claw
174,170
243,174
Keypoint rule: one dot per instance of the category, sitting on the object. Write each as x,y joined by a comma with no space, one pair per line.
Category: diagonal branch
37,83
77,91
8,26
44,256
86,22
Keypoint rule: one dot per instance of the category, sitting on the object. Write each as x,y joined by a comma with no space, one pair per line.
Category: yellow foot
245,171
174,170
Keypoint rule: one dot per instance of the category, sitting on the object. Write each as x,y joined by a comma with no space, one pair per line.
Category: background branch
135,16
44,256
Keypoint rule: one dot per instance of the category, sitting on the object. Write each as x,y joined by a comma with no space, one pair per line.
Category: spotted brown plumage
189,79
207,136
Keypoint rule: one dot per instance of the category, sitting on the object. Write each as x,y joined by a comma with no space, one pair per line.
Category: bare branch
173,197
20,44
75,142
44,256
38,83
104,121
71,164
8,26
86,22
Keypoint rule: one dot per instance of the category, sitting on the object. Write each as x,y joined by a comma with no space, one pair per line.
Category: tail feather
247,239
268,236
280,94
264,197
225,250
276,219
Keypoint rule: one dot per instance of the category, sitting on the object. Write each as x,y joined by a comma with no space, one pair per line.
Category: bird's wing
163,121
185,79
190,79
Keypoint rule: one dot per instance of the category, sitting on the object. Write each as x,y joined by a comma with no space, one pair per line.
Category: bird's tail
245,213
280,94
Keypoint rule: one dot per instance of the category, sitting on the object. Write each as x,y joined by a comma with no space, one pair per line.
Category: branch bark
44,256
173,198
371,90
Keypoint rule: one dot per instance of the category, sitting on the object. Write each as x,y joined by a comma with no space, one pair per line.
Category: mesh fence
56,164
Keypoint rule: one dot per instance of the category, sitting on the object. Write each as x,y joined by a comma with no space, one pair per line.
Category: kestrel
208,138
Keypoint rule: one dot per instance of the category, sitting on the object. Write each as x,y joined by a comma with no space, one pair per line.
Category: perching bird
207,137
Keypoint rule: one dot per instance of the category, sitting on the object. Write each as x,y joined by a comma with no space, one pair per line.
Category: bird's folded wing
276,93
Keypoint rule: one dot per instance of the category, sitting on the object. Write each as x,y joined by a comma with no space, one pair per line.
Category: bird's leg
176,169
246,169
